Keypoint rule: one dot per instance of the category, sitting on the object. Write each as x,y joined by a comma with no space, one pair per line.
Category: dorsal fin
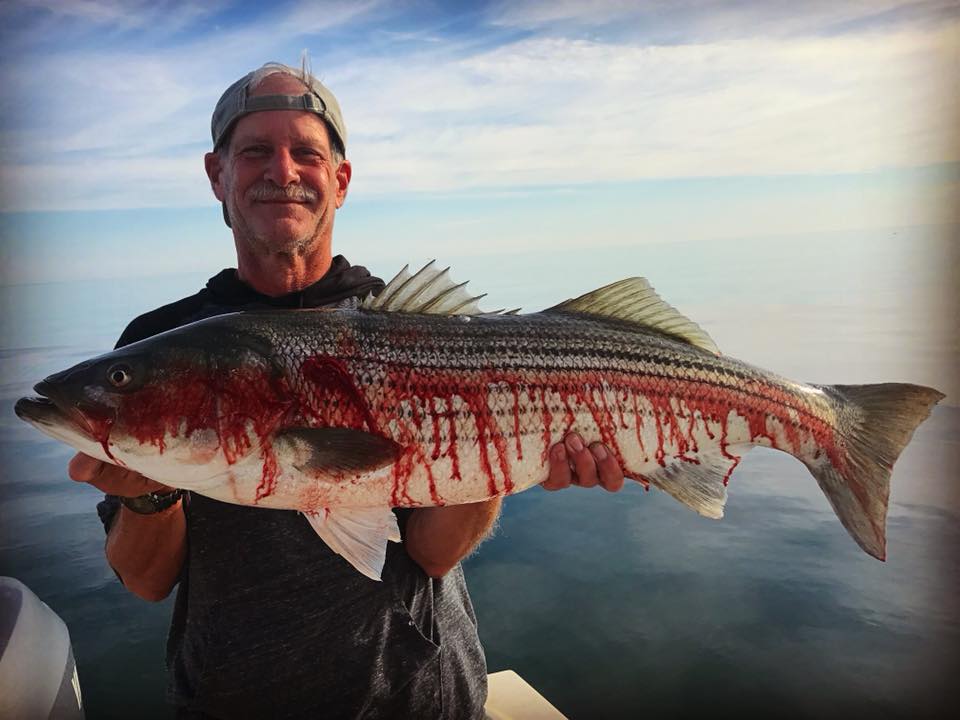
634,301
428,291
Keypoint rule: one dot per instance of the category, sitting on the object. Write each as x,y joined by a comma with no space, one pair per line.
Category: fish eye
120,375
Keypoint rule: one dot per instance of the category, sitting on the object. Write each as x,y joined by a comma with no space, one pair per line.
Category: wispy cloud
704,20
555,107
125,14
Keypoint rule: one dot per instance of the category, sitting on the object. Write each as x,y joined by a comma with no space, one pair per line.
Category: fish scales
419,399
513,386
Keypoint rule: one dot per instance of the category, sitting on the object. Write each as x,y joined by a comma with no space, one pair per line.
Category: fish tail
874,424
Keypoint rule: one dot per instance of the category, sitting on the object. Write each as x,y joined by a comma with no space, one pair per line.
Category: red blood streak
333,377
638,421
690,428
452,451
402,470
480,412
602,418
659,423
435,422
500,444
268,481
515,389
669,399
419,388
724,419
432,484
234,403
100,431
547,419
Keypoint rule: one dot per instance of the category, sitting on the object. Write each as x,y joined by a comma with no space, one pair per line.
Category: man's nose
282,169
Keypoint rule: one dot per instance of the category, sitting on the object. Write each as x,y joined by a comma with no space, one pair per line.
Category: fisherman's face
278,178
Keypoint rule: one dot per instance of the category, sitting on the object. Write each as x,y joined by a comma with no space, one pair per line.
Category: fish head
184,404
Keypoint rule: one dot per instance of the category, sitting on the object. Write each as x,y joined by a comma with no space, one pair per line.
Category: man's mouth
270,193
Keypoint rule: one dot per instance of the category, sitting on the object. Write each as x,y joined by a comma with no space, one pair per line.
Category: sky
482,128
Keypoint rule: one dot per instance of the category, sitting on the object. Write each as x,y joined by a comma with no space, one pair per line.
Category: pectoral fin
359,535
336,450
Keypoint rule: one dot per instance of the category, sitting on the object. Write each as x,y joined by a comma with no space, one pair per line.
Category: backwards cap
237,102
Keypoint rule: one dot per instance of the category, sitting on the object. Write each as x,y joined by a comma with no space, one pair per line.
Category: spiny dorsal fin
633,300
429,291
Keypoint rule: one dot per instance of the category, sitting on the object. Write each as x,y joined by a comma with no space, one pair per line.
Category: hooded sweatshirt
269,622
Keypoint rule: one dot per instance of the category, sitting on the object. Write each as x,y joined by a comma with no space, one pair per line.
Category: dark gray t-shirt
269,622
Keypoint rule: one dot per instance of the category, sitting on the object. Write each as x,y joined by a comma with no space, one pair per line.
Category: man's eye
255,150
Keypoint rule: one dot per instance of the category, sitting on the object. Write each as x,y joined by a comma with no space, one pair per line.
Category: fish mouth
40,410
50,410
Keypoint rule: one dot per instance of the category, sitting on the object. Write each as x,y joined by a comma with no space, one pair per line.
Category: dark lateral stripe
778,396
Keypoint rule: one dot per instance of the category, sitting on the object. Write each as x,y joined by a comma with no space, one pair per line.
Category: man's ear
344,173
214,168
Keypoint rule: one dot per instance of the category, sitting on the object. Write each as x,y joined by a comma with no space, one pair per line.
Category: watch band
152,502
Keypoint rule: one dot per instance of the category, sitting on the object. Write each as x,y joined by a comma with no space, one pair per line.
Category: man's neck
277,275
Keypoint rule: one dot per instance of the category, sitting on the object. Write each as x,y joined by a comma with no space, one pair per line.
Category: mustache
268,192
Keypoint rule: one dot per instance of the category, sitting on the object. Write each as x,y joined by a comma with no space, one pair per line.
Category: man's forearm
147,551
437,538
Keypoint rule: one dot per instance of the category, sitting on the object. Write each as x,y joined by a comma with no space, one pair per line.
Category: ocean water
612,606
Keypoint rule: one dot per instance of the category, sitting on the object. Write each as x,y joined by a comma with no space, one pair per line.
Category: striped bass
417,398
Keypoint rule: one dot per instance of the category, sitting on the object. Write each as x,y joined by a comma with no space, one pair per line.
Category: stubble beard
263,246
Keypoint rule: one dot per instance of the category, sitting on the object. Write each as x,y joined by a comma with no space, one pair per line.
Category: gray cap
236,102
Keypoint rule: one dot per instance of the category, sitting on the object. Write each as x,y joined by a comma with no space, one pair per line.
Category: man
268,620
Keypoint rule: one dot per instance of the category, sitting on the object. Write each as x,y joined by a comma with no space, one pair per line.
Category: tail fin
875,423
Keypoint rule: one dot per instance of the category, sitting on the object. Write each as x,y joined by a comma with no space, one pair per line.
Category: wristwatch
152,502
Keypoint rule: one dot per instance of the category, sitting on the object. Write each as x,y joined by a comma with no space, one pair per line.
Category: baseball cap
236,102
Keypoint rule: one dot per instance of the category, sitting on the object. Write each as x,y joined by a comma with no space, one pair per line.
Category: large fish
418,399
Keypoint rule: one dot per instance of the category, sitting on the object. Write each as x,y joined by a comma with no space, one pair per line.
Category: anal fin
359,535
699,485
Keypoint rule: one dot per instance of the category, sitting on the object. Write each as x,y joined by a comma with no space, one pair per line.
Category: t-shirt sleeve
107,510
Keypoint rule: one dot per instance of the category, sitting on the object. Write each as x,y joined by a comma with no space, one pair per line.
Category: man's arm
146,551
437,538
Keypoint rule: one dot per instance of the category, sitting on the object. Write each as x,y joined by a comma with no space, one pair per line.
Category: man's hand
572,463
146,551
112,479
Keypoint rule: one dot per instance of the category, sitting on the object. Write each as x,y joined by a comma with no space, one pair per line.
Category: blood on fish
435,422
249,405
515,389
639,425
332,376
547,419
452,443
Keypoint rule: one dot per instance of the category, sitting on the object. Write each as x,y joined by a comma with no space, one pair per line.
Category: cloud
688,21
548,109
312,17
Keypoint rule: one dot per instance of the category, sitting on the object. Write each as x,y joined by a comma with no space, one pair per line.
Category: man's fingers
609,470
583,461
84,468
559,477
111,479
